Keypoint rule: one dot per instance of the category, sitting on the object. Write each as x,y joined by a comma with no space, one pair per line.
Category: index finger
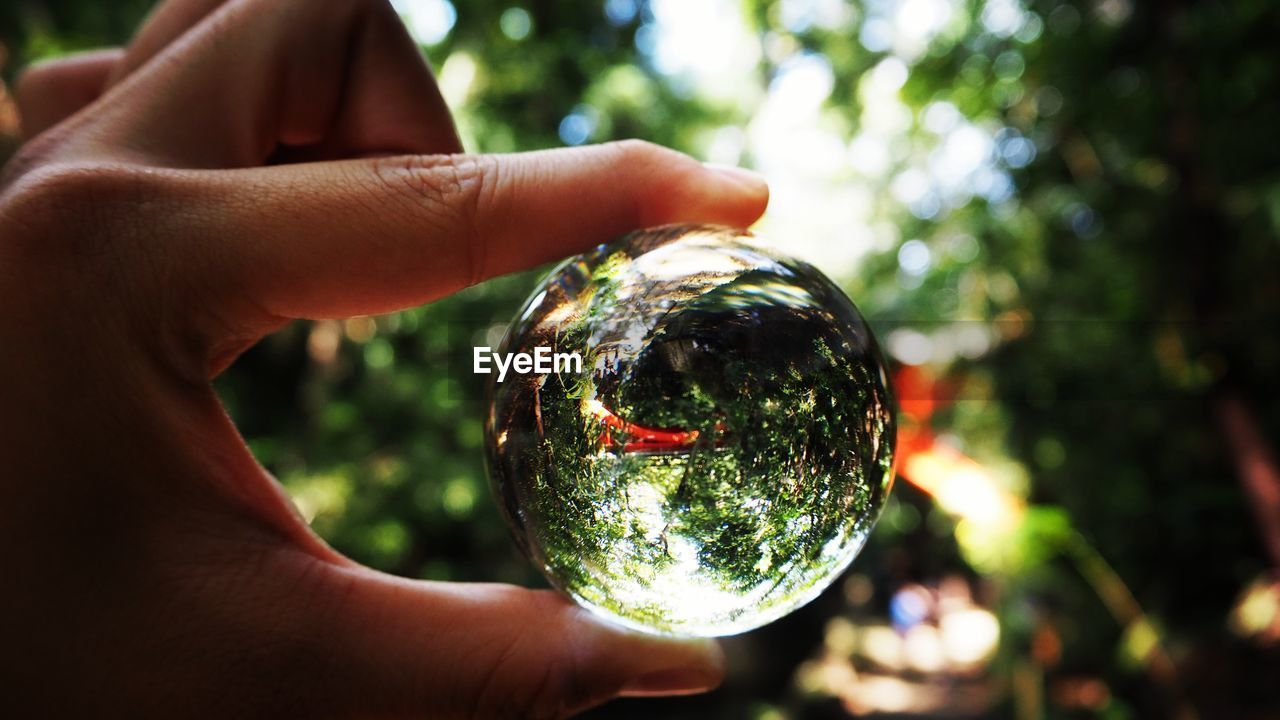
362,237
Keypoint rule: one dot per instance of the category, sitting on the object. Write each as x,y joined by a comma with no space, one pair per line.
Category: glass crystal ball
723,452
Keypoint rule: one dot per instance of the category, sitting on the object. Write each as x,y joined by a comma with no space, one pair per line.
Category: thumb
487,650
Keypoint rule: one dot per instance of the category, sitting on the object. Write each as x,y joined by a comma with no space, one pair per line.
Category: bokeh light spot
516,23
428,21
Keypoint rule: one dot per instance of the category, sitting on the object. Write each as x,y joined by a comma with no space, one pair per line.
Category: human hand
240,165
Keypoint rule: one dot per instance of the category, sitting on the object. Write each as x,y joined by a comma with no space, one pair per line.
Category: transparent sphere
725,448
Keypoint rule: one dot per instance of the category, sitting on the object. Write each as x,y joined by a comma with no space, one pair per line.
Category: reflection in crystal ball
725,449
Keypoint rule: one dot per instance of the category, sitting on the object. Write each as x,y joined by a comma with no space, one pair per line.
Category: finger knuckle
74,208
517,690
542,681
444,186
447,194
652,157
640,152
552,693
652,172
78,233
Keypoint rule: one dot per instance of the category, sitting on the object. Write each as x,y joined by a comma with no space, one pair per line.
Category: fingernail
739,176
680,681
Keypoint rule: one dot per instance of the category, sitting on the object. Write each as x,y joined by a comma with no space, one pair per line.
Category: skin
241,165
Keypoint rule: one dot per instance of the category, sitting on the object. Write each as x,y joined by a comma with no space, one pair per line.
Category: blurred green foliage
1125,276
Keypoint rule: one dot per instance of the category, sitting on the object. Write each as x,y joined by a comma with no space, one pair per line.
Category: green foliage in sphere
725,448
